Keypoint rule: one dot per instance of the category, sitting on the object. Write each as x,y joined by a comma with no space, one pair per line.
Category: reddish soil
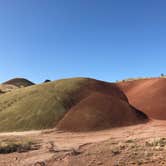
147,95
143,144
93,86
100,111
112,89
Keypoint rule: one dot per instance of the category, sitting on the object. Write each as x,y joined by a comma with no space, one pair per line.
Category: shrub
12,145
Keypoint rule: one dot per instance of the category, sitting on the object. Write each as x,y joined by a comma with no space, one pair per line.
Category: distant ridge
19,82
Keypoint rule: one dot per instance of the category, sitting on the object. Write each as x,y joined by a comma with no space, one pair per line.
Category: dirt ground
143,144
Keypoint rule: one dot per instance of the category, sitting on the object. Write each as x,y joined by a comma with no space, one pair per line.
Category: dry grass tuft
17,145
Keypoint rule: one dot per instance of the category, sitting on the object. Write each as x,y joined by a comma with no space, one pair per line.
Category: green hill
38,106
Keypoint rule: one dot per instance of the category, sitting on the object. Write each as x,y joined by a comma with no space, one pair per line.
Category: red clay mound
147,95
89,86
98,86
100,111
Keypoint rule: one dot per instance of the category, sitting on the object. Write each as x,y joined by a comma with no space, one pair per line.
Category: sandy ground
119,146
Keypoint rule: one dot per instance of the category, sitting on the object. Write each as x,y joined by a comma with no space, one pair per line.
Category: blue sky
103,39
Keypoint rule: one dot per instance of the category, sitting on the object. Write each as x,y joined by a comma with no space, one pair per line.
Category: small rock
158,148
99,163
40,163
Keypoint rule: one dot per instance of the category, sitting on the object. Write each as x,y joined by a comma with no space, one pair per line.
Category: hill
19,82
100,111
43,106
148,95
7,88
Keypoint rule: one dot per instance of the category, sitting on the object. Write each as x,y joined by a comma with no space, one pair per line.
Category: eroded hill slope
147,95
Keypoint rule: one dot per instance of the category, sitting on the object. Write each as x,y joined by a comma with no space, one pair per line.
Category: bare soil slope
100,111
147,95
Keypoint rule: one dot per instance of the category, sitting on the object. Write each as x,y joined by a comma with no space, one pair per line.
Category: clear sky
103,39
